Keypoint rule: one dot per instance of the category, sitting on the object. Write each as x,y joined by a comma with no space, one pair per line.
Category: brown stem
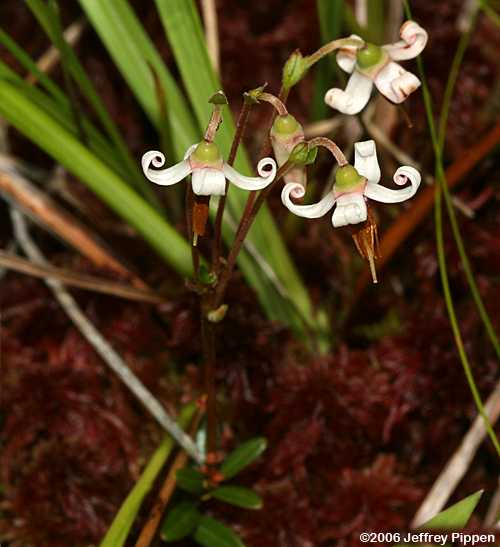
208,342
148,532
332,46
276,102
238,136
332,147
245,224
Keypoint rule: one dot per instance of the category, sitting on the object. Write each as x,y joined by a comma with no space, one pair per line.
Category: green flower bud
207,152
300,154
218,98
294,70
369,55
347,177
285,125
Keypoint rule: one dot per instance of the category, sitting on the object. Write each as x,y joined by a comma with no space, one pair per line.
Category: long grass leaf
79,160
48,16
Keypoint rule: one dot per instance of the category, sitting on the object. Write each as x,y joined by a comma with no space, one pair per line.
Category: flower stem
208,343
332,147
276,102
238,136
214,123
195,254
330,47
245,224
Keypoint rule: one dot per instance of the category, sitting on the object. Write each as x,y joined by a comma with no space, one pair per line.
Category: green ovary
369,56
347,177
285,125
207,152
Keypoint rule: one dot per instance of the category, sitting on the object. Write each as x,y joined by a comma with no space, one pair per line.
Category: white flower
209,171
353,185
375,65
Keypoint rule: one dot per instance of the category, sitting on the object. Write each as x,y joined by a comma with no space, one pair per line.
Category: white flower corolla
353,186
373,64
209,171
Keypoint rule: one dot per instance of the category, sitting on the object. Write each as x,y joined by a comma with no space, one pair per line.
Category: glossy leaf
242,457
181,520
190,480
238,495
212,533
455,517
118,531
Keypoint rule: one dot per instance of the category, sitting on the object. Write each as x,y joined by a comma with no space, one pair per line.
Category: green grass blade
122,523
27,62
48,16
43,130
330,18
133,52
455,517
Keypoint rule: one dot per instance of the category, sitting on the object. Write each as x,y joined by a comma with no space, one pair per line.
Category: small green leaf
212,533
239,496
190,480
456,516
180,521
243,456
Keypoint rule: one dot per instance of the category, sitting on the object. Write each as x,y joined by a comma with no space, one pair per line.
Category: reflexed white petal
207,181
354,98
414,39
365,160
315,210
403,175
350,209
346,56
164,177
190,150
396,83
252,183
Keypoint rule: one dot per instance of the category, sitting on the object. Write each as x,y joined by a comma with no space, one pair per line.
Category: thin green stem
330,48
443,187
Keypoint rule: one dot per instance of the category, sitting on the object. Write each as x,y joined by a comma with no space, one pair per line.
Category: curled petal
346,56
190,150
403,175
365,160
414,39
354,98
207,181
315,210
396,83
252,183
350,209
164,177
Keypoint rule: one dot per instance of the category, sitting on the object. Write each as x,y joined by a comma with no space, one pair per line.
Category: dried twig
47,62
15,187
458,464
209,11
75,279
168,488
100,344
492,518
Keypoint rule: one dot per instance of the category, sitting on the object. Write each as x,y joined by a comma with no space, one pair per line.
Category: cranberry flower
209,171
373,64
353,186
